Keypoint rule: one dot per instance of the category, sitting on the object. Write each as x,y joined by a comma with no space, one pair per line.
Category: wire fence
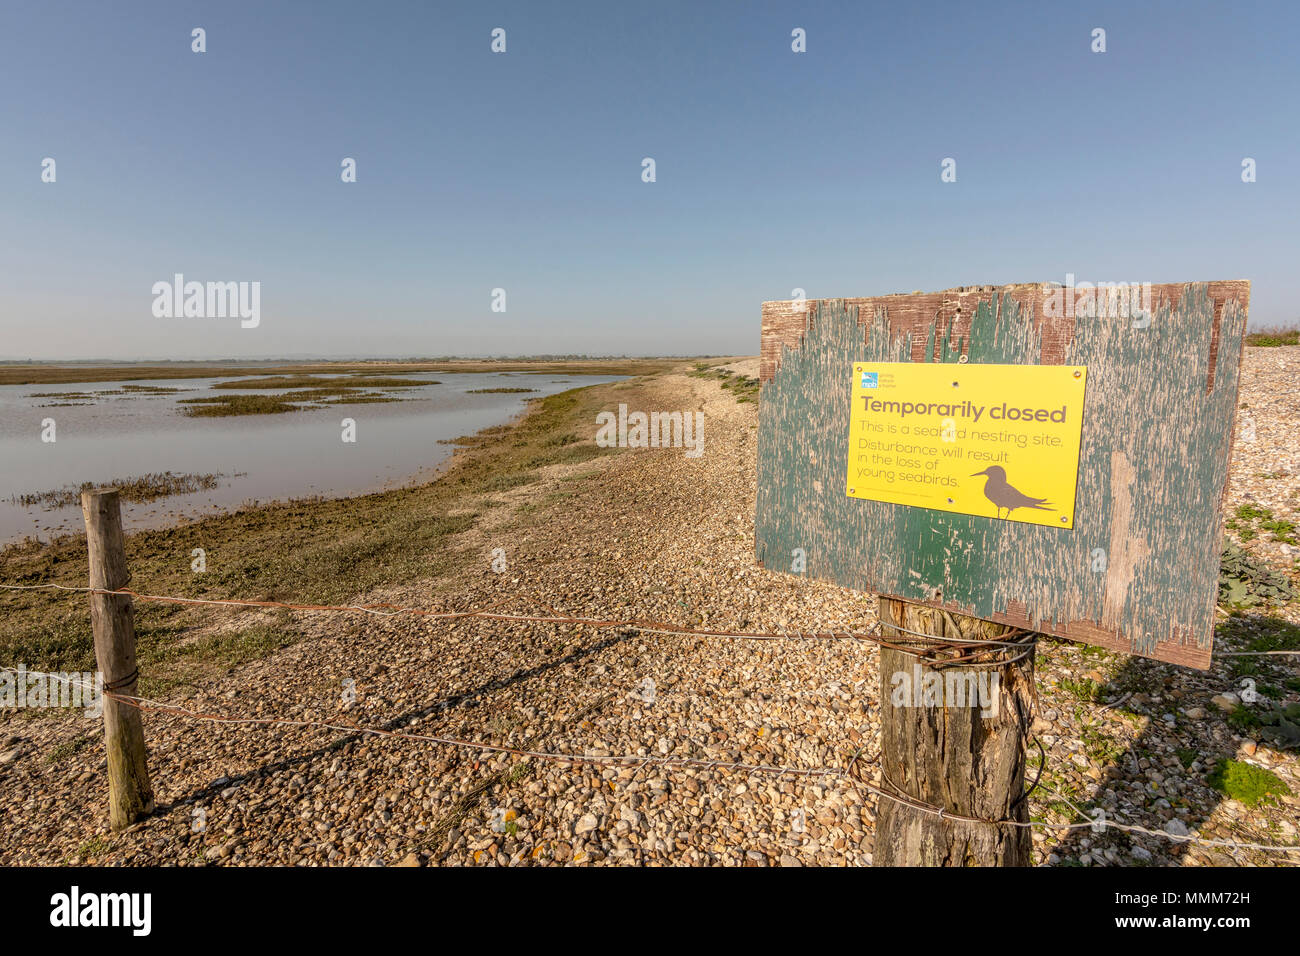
915,643
554,617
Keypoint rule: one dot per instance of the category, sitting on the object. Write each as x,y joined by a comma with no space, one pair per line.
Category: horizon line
357,358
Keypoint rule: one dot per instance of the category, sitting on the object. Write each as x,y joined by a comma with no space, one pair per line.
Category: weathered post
964,753
130,794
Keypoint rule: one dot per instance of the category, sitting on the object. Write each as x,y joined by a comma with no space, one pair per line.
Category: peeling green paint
1149,422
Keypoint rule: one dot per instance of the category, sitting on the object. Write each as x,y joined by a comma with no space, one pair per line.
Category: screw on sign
967,455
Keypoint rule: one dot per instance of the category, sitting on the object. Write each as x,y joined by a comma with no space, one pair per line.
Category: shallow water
261,457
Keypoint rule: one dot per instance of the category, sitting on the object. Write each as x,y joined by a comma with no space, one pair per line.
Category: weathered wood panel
1139,571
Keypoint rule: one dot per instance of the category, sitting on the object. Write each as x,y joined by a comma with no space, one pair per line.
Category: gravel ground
650,534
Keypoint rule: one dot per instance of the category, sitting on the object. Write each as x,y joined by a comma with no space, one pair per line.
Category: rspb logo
869,380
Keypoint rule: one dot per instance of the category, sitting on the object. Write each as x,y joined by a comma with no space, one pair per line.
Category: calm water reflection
274,456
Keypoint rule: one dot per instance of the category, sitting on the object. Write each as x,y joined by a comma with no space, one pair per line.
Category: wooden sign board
1129,562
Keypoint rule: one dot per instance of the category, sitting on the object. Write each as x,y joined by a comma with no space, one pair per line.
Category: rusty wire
930,645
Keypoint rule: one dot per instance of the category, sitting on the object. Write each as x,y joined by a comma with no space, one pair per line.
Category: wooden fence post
130,794
967,759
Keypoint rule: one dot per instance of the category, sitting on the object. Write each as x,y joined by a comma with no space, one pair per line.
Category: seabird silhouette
1003,495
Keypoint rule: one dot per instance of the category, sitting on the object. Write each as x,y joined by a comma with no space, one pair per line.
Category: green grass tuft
1273,336
1245,782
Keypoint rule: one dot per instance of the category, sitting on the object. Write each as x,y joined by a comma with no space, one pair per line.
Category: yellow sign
1001,441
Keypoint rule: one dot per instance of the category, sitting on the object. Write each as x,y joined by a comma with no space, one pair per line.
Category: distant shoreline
69,373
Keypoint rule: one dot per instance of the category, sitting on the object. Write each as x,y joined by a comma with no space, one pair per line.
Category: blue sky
522,170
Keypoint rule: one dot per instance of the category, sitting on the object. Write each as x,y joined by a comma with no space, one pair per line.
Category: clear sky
775,170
